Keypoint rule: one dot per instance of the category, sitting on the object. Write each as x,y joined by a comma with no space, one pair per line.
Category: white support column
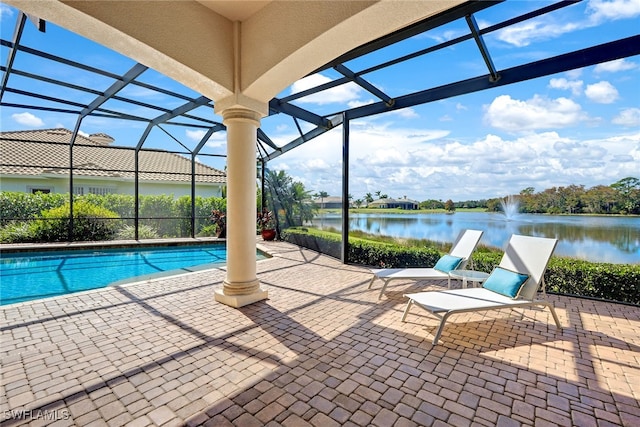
241,286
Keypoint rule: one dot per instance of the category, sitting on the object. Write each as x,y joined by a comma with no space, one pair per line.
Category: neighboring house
389,203
329,202
38,161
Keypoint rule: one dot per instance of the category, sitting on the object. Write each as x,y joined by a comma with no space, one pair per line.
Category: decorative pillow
505,282
447,263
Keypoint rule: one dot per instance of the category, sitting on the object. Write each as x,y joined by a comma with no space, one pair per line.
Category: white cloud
629,117
405,113
531,31
611,10
615,66
195,135
574,74
348,92
545,28
5,11
575,86
427,163
444,36
217,139
537,113
28,119
359,103
602,92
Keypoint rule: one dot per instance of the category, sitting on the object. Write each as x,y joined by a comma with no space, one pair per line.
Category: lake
610,239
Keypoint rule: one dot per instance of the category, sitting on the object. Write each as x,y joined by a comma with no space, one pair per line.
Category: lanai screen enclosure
112,95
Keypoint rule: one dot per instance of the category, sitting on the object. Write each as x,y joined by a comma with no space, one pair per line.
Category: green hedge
90,223
567,276
22,206
161,215
362,251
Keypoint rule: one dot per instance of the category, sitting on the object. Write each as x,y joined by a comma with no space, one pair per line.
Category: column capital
241,114
238,102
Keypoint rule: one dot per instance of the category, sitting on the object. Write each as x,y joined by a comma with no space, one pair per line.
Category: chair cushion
505,282
447,263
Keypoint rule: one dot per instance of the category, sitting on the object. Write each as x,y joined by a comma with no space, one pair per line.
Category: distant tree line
621,197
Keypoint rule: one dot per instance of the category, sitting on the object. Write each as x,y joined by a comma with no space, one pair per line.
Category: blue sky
580,127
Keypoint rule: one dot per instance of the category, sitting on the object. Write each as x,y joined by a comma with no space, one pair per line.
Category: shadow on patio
323,350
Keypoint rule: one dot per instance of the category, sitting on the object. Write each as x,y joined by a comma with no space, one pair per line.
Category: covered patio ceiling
112,95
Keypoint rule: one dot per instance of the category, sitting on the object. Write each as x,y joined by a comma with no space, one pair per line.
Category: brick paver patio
322,351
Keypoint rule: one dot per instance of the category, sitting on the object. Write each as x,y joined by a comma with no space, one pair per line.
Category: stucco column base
240,294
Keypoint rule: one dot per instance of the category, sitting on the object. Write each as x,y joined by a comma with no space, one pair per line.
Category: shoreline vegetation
621,197
444,211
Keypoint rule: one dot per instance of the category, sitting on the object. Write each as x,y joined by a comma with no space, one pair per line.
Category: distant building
390,203
38,161
329,202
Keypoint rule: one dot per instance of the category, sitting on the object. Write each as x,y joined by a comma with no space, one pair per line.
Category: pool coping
109,244
150,278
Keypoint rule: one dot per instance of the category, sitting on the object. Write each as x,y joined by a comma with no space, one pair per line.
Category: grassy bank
397,211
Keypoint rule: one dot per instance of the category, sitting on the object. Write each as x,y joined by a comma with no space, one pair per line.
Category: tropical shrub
362,251
122,204
18,232
23,206
90,223
128,232
162,214
208,231
616,282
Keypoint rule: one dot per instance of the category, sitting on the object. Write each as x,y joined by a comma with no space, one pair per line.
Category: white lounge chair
524,254
462,248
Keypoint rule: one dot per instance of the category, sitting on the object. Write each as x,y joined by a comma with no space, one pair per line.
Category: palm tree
368,198
301,203
321,195
288,198
279,199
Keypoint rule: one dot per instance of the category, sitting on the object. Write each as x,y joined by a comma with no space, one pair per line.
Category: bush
122,204
362,251
90,223
166,216
615,282
128,232
18,232
25,206
566,276
208,231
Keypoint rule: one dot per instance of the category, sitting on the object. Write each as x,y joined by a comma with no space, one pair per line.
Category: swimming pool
33,275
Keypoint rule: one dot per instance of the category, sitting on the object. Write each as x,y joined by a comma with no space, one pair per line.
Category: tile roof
46,152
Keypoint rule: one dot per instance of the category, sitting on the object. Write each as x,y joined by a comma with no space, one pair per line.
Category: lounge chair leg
406,310
384,286
555,316
371,282
436,338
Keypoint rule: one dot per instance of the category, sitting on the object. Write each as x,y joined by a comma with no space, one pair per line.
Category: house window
101,191
78,191
36,190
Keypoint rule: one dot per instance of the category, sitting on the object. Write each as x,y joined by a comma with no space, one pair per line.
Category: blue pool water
35,275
